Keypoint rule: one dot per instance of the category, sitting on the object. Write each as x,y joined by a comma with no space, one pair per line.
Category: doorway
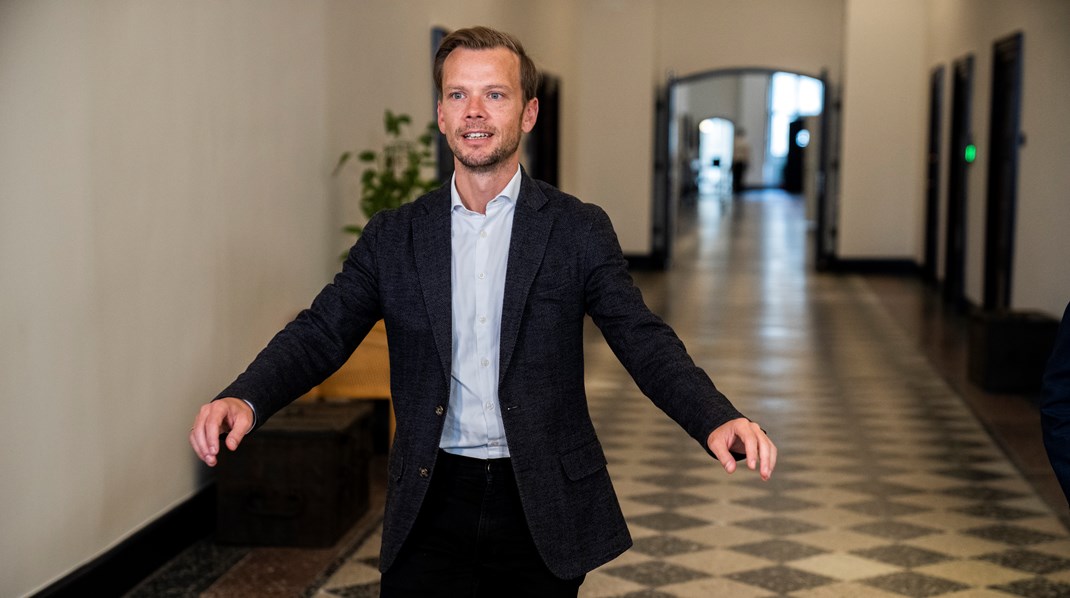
716,158
961,156
544,141
761,105
1004,136
932,175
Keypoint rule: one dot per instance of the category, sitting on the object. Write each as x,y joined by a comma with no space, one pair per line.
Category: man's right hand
229,416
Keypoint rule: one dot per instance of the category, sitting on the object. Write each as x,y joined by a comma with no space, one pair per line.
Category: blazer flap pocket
583,461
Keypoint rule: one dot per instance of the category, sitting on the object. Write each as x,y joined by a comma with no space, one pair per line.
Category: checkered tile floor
887,485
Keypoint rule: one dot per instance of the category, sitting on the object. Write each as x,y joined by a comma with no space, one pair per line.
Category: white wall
801,36
754,118
1042,248
884,116
165,206
615,128
162,211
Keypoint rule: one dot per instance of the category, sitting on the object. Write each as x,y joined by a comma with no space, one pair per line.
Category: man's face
482,112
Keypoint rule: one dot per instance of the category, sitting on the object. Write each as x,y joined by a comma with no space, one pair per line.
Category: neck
478,187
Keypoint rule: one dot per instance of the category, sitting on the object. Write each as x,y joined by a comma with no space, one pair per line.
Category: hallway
887,484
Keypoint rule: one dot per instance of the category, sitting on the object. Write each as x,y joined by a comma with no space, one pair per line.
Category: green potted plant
393,175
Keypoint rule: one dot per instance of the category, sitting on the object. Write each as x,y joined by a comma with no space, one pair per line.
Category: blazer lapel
531,231
432,247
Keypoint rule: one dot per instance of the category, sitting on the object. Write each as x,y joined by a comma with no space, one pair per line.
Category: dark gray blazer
564,263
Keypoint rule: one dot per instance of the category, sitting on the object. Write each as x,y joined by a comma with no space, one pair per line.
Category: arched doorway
784,115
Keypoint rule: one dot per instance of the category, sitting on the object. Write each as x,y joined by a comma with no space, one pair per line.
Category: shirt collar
511,191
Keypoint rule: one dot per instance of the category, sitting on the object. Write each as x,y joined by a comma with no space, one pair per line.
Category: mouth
477,135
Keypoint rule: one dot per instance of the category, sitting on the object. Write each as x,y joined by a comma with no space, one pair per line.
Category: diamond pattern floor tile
887,484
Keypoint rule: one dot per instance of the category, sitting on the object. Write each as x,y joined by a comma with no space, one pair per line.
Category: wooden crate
300,480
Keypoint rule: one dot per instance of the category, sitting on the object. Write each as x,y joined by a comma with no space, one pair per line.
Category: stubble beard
492,161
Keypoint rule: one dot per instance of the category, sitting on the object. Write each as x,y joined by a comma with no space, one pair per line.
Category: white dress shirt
473,426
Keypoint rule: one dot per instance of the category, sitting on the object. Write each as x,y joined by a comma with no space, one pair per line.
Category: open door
663,217
827,180
958,166
1002,194
544,140
932,175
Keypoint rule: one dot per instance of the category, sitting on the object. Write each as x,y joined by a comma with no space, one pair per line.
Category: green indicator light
971,153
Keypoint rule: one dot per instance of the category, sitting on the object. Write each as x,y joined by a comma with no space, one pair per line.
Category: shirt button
424,472
482,319
482,275
440,410
483,234
489,406
484,362
494,443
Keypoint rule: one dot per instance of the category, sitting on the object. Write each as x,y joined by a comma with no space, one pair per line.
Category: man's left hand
745,437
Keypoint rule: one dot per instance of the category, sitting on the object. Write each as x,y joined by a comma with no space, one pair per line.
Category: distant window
791,96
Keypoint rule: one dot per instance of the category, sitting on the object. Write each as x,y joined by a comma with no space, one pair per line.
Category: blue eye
456,95
495,95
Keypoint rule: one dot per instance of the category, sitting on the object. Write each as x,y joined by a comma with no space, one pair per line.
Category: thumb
720,450
239,427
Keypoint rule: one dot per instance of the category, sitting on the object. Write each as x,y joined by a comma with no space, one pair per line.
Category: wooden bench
365,376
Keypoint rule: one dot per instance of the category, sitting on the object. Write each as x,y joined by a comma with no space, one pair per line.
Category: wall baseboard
646,263
892,266
120,569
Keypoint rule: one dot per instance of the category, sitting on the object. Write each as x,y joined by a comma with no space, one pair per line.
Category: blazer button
424,472
440,410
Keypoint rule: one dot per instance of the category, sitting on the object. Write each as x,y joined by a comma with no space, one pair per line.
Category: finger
196,434
750,444
720,450
195,442
769,459
212,426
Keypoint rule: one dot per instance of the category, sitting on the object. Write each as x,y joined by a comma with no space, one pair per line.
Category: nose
475,108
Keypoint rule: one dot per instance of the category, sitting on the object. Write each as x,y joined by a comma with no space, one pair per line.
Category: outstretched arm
1055,406
229,416
744,437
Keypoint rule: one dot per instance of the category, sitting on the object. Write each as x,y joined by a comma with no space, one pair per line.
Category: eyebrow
491,87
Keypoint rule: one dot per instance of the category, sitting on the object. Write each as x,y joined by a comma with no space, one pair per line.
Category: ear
531,114
441,121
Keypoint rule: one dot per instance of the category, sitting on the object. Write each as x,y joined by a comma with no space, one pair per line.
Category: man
1055,405
497,483
740,159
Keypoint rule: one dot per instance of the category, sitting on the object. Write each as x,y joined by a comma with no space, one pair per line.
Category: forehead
493,66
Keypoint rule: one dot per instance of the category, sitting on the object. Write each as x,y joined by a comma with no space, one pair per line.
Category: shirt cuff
253,409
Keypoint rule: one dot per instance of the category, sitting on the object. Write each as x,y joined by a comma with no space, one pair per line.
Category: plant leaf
341,162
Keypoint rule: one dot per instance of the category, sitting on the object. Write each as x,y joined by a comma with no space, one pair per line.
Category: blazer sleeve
647,347
1055,405
320,339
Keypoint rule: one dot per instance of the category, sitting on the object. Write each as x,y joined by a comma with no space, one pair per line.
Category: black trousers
471,539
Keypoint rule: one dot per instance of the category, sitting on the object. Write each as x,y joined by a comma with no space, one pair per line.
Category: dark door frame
662,216
958,168
544,140
1002,187
932,176
828,166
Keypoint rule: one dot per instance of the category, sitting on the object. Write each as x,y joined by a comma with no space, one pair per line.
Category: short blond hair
485,38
